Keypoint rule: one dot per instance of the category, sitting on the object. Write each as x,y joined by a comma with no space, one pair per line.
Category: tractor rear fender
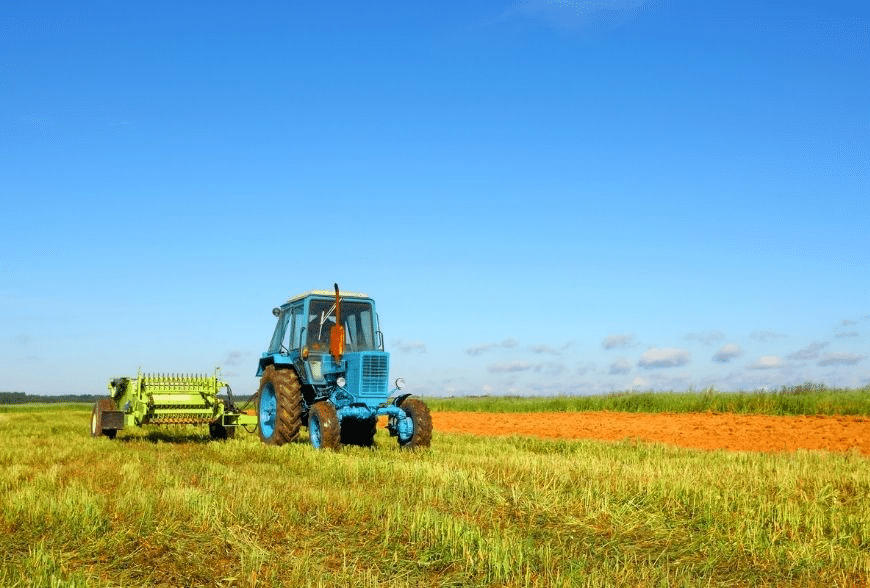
276,359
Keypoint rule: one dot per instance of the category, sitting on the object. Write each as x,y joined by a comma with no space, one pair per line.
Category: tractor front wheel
323,426
419,433
102,405
279,406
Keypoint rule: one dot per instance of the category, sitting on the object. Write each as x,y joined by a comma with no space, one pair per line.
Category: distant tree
23,398
12,397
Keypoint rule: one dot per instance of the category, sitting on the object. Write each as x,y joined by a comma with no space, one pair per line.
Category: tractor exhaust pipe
336,332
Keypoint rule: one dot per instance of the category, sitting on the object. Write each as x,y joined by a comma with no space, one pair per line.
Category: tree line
24,398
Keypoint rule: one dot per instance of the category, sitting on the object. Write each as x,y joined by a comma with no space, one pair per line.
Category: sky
542,197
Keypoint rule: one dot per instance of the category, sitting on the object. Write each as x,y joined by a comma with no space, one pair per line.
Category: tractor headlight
341,382
400,383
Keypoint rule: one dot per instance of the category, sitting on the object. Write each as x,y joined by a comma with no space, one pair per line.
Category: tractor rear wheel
279,406
102,405
323,426
421,434
358,431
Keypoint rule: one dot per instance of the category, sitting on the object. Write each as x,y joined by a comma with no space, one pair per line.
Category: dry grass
168,507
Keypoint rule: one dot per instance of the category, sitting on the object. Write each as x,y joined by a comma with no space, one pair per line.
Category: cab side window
294,328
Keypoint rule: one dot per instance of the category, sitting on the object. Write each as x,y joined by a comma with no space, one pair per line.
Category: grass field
807,399
168,507
47,407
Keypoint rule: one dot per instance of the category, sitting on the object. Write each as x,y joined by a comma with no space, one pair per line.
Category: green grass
795,400
167,507
806,399
47,407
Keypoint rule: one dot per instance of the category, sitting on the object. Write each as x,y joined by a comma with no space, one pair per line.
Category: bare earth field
704,431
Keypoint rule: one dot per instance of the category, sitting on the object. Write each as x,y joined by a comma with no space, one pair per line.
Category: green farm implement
167,399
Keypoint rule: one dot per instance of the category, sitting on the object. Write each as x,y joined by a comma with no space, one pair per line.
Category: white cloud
539,349
663,358
620,367
510,367
811,351
486,389
846,335
550,368
766,362
547,368
506,344
638,383
410,346
617,341
766,335
727,352
706,337
841,359
668,380
847,323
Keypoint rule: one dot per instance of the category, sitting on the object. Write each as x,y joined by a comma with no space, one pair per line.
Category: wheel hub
268,408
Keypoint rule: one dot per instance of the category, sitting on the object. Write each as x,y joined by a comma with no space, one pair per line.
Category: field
804,399
166,506
701,431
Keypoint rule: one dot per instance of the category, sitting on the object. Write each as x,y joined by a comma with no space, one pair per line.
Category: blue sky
542,197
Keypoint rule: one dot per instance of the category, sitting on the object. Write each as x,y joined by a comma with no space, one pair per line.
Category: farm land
487,505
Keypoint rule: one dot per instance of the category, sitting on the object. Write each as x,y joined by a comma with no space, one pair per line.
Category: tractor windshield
358,320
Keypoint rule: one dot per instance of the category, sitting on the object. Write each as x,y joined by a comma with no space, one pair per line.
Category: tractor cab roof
329,293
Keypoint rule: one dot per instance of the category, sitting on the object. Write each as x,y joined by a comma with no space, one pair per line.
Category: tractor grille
375,371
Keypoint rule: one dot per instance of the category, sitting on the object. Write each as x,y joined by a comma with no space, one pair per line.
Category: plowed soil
704,431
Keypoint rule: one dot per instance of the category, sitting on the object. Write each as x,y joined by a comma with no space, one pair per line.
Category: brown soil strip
704,431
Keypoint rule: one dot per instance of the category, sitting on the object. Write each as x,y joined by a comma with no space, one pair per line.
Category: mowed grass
166,506
807,399
47,407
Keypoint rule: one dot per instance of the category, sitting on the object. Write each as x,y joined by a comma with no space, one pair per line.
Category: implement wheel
323,427
279,406
420,433
358,431
97,430
217,431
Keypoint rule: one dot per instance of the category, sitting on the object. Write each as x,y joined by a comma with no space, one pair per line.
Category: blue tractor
326,369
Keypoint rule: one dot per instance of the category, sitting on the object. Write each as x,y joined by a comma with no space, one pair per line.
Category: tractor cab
307,338
359,324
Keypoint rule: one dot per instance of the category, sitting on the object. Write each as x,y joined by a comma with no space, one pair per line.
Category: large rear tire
323,426
418,413
102,405
279,406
